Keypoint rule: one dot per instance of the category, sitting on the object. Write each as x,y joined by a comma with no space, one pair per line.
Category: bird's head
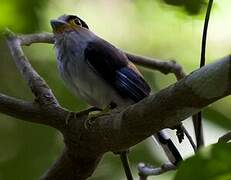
66,23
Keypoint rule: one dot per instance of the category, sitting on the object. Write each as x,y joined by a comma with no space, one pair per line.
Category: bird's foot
102,112
80,113
95,115
92,116
87,111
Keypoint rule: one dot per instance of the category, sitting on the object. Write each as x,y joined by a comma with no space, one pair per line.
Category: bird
100,73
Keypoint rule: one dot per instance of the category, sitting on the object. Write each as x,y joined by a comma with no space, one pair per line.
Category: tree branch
69,167
87,139
197,119
165,67
146,170
166,108
225,138
32,112
189,138
38,86
36,38
18,108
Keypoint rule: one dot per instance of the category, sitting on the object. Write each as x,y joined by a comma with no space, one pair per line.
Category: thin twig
225,138
189,138
204,37
125,163
198,121
39,87
36,38
147,170
165,67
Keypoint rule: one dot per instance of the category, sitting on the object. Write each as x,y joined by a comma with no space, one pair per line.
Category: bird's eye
77,22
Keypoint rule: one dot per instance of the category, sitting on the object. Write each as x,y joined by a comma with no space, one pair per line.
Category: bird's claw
101,113
96,115
80,113
87,111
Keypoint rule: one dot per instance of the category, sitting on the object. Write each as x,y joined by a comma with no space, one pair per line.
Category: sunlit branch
147,170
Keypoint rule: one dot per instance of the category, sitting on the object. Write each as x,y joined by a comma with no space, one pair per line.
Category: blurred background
163,29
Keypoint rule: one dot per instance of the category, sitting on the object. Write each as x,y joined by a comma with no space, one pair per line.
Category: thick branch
167,108
69,167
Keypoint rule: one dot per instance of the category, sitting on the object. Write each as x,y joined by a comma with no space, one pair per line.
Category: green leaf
192,7
216,117
212,163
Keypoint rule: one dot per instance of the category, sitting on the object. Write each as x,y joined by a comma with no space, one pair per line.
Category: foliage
190,6
163,29
212,163
21,15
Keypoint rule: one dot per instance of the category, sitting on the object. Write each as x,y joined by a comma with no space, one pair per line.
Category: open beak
56,24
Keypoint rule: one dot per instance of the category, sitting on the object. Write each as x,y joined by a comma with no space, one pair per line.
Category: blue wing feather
129,83
113,66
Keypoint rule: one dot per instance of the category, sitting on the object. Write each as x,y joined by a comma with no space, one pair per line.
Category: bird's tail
169,148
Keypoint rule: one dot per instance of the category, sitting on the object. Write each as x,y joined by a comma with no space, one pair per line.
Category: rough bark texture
88,139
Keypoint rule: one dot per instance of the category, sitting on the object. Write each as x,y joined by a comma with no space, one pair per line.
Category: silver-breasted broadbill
100,73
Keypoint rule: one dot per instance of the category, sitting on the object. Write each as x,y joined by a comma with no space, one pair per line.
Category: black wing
113,66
